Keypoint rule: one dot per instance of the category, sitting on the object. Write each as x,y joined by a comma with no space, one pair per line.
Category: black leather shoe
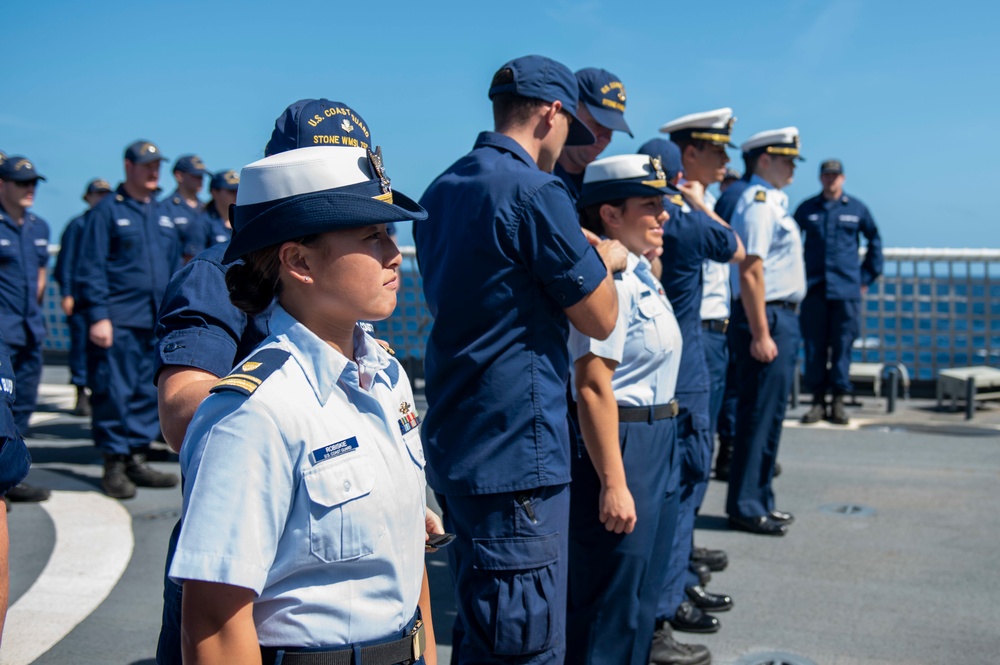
781,518
143,475
668,651
716,560
838,416
762,525
26,493
708,602
815,414
689,619
777,470
722,460
703,572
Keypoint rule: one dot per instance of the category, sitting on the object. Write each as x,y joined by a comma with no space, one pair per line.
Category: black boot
82,407
722,459
27,493
837,414
817,412
144,475
668,651
116,483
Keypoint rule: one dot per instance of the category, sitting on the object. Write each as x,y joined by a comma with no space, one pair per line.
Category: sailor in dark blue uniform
691,236
183,206
216,224
602,110
772,284
833,223
202,335
64,273
505,268
14,464
128,252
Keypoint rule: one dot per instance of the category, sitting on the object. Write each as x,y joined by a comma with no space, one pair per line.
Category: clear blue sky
906,94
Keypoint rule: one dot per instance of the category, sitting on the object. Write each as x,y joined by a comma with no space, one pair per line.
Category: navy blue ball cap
143,152
732,174
832,166
604,96
97,186
190,164
318,122
18,168
538,77
225,180
622,177
313,190
669,154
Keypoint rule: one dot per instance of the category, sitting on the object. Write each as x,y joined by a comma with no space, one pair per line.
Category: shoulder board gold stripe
244,377
239,383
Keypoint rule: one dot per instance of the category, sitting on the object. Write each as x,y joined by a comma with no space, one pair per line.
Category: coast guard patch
761,196
410,420
248,375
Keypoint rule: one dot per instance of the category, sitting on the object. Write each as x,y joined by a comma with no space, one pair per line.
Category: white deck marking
92,550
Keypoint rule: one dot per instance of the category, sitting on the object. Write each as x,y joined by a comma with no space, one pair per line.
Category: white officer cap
784,141
621,177
714,126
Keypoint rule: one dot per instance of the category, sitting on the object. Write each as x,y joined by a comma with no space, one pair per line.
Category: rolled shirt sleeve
758,225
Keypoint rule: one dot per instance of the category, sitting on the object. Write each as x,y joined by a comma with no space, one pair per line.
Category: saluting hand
694,192
102,333
617,510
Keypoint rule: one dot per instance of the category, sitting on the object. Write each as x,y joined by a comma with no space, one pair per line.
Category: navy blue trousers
725,422
78,334
123,397
717,357
615,580
27,363
168,646
510,575
764,390
695,454
829,328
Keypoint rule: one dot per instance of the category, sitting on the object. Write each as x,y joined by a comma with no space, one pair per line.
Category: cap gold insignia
250,366
231,178
22,164
657,164
102,183
197,163
146,148
404,408
729,125
375,159
347,126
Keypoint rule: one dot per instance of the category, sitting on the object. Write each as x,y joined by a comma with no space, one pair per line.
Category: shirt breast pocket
345,520
125,241
8,252
653,323
415,447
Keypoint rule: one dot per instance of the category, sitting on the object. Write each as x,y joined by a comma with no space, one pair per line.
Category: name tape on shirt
334,450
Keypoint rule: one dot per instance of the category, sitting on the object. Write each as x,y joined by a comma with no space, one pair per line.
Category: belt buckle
419,643
674,408
725,326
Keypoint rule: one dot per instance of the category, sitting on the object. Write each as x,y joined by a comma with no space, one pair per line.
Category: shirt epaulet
249,375
761,195
677,200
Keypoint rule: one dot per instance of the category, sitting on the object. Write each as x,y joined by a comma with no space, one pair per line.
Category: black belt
403,651
715,325
643,414
783,304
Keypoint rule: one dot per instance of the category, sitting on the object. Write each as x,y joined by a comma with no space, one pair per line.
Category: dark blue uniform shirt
833,230
502,255
216,231
188,221
14,458
69,247
688,239
24,250
573,181
724,208
128,252
198,326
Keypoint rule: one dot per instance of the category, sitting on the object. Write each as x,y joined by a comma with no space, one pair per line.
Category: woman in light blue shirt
622,512
303,525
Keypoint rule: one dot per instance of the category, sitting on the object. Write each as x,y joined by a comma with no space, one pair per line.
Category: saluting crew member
690,237
834,223
65,274
622,515
772,284
183,206
505,268
24,255
223,188
324,506
128,251
602,110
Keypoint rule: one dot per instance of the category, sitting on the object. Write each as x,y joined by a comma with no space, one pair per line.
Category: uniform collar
505,143
29,218
757,180
180,200
775,195
323,366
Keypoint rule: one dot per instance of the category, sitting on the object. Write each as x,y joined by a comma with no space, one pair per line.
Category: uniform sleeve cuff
205,567
97,313
585,276
198,348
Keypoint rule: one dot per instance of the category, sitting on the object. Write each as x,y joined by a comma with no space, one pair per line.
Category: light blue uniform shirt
646,342
773,235
715,295
310,491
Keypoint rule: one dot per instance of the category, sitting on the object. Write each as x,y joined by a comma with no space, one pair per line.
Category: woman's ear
295,261
611,216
